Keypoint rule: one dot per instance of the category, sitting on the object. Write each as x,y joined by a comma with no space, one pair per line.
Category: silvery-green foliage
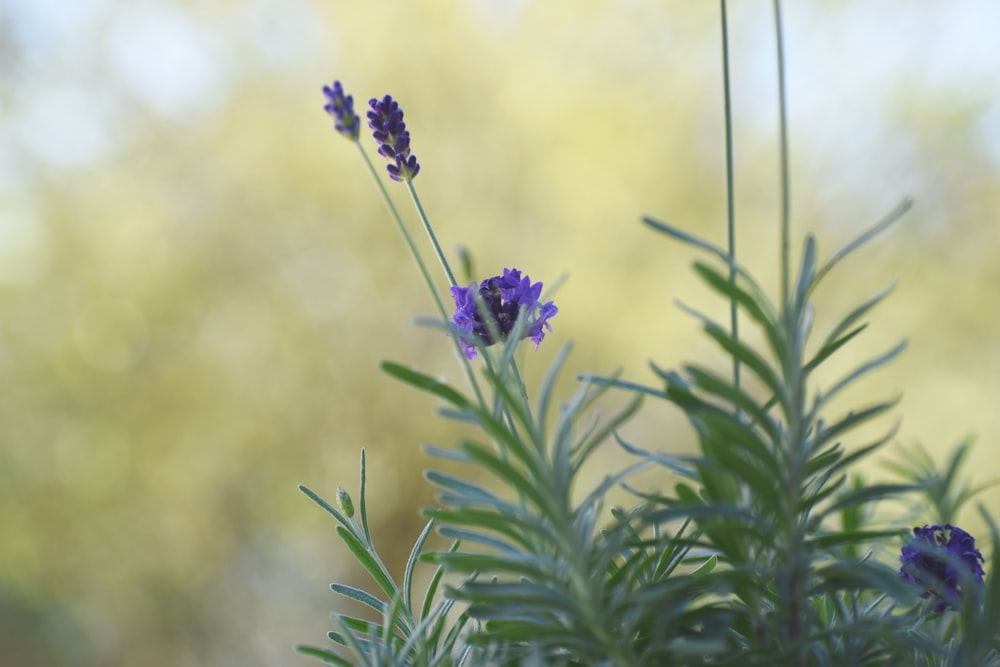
765,549
423,630
768,493
555,579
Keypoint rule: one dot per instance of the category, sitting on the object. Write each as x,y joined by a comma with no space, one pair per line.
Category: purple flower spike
939,559
341,107
505,297
386,122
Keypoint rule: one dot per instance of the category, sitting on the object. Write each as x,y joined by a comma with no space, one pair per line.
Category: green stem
796,566
451,276
410,245
522,390
430,234
730,194
783,145
425,274
492,327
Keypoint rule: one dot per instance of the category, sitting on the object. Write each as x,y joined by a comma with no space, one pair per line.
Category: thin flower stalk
385,119
783,153
430,234
421,266
340,106
730,192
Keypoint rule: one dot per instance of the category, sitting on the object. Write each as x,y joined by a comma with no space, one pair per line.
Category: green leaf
467,264
447,454
426,383
348,636
686,494
730,435
503,470
862,452
807,274
456,631
861,370
364,597
852,419
411,563
478,538
362,501
391,621
509,440
684,237
866,495
548,384
671,554
841,575
425,641
528,565
818,491
599,492
738,521
706,567
756,306
857,313
713,384
743,463
824,459
369,561
516,598
336,638
866,236
433,586
991,595
327,506
602,381
828,349
467,493
516,406
672,462
515,525
324,654
586,446
848,538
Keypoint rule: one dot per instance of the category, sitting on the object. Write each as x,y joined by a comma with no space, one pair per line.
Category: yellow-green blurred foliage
197,280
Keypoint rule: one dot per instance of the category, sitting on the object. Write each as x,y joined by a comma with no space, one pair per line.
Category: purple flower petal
507,297
385,119
942,560
341,107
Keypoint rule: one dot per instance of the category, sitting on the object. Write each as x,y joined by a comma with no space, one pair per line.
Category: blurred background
198,282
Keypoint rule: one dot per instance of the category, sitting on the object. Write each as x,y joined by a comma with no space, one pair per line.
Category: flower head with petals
505,298
386,122
341,107
943,561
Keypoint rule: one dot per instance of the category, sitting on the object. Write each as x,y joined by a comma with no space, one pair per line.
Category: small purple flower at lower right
943,560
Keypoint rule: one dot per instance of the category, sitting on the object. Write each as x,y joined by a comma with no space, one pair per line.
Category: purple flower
942,560
341,107
505,297
386,121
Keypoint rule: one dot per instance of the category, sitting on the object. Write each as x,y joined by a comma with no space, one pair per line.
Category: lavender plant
767,551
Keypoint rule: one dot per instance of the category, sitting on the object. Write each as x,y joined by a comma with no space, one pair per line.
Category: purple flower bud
506,297
942,560
341,107
386,122
403,170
